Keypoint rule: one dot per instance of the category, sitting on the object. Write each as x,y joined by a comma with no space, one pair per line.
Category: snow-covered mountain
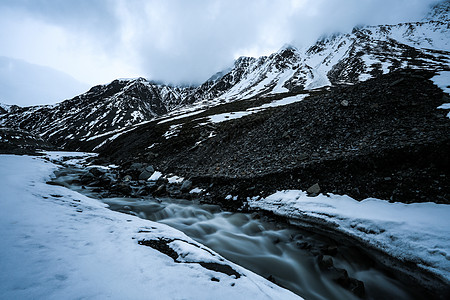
340,59
103,108
336,59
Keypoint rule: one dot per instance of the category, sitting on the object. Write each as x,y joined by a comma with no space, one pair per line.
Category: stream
286,254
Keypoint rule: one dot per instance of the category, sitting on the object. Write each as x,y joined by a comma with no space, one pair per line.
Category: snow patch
155,176
418,232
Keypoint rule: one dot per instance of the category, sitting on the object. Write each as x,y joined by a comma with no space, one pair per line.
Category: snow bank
59,244
418,232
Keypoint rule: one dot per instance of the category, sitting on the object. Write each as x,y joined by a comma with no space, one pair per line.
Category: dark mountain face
14,141
339,59
102,109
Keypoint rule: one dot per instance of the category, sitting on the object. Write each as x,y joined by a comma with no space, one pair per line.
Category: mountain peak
439,12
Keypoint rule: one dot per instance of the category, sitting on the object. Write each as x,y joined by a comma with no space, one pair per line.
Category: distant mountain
23,83
338,59
102,109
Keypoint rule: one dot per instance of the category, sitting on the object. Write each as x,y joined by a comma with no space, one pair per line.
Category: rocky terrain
14,141
381,138
104,108
84,122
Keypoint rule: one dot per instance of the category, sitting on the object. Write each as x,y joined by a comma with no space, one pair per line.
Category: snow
239,114
6,107
173,131
442,80
444,106
418,232
229,116
155,176
137,116
59,244
185,115
196,191
175,179
282,102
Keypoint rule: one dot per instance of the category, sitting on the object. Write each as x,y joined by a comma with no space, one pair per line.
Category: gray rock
313,190
344,103
325,262
136,166
127,178
160,190
97,172
149,169
187,184
145,175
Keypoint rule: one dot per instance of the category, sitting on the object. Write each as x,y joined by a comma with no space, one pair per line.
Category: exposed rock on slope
365,53
383,138
21,142
103,108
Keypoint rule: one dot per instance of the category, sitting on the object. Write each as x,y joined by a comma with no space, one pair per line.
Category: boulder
97,172
186,186
313,190
136,166
149,169
145,174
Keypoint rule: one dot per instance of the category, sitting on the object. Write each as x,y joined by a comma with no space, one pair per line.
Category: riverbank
409,240
57,243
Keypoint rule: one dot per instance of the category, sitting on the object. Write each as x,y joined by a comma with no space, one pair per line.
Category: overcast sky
178,41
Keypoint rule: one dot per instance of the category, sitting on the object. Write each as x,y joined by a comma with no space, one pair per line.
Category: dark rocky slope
102,109
20,142
381,138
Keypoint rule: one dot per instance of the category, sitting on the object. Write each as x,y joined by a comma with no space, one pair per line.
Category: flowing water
287,254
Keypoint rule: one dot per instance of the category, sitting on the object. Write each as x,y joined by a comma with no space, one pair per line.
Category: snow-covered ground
419,233
59,244
442,80
239,114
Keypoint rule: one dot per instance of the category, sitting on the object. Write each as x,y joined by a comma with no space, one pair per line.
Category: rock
340,276
96,172
357,287
344,103
187,184
304,245
325,262
160,190
145,174
397,82
313,190
127,178
330,250
87,177
149,169
122,189
136,166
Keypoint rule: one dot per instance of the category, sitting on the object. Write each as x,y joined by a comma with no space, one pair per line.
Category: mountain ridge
338,59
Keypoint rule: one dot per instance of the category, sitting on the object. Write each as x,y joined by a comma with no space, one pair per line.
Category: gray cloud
184,41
